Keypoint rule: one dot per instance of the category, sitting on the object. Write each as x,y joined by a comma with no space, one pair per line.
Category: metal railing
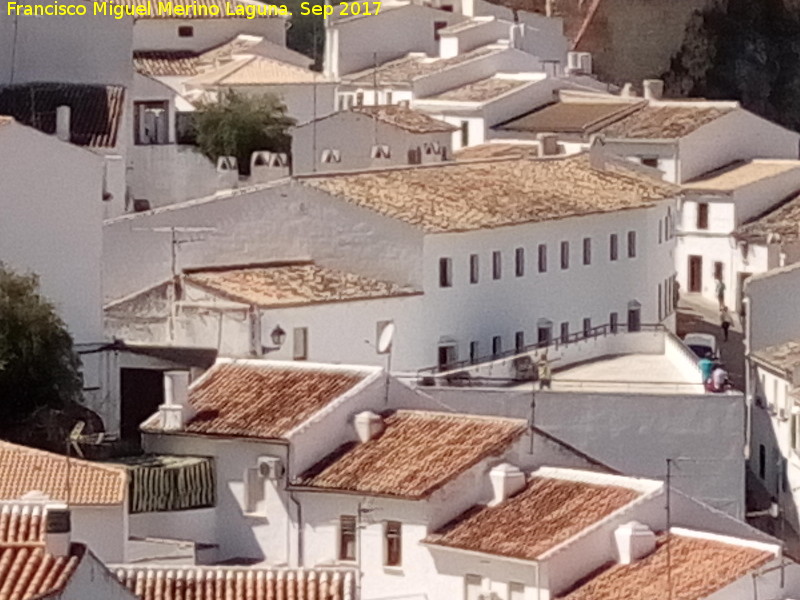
554,343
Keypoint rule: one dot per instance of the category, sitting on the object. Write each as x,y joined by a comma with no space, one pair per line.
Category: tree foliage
38,366
307,32
238,125
746,50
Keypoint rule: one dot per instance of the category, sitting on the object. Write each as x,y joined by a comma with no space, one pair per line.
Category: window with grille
445,272
347,537
393,544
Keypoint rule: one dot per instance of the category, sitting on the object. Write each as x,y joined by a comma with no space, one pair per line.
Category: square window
185,31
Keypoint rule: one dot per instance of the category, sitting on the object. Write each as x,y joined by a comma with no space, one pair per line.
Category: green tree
239,124
38,366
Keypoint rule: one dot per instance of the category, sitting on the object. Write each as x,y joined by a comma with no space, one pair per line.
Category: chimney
506,480
227,173
653,89
627,91
368,425
63,118
176,410
58,530
548,144
597,152
634,541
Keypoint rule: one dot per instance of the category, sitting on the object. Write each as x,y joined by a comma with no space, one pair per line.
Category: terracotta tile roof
743,173
196,9
21,522
453,197
782,220
292,285
404,70
165,63
546,513
255,70
570,117
262,399
229,583
497,150
406,118
96,109
24,470
699,568
417,453
664,122
482,90
28,572
783,357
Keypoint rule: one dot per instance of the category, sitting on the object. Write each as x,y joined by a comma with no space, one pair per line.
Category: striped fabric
163,483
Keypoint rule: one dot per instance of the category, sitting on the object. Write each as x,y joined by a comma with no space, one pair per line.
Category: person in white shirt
719,377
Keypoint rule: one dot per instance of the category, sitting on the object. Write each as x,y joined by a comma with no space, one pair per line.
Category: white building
770,239
436,229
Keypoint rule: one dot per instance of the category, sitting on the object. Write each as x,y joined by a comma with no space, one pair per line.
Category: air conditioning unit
271,467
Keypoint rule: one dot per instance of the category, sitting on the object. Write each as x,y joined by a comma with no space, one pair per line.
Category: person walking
725,321
545,373
720,289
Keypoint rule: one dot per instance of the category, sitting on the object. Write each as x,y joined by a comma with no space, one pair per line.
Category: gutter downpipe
749,394
300,549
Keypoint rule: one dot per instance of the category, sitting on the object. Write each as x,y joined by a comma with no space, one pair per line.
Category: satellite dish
385,339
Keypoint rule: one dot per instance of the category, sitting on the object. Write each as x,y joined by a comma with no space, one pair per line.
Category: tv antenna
75,439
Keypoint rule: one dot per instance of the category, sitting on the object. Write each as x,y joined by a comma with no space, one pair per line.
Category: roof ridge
53,455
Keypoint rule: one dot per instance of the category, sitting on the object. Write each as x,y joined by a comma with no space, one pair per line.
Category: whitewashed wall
92,580
298,98
51,222
162,34
103,528
772,317
171,173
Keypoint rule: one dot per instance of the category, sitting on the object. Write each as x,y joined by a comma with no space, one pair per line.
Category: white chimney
58,530
627,91
634,541
176,410
506,480
368,425
653,89
227,173
548,144
597,152
63,118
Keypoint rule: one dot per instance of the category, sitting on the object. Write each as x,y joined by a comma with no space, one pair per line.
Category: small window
519,341
438,25
388,98
587,327
660,234
565,332
185,31
331,156
519,262
565,255
474,268
613,249
473,587
445,272
516,591
359,98
613,322
718,270
542,258
474,352
497,264
650,161
587,251
544,335
300,338
497,345
464,134
702,215
381,151
631,244
660,306
347,537
393,544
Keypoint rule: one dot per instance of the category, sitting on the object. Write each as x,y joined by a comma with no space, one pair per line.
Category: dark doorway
695,273
634,319
447,357
142,392
544,335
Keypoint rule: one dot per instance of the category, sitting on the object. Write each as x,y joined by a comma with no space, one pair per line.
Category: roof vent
597,152
548,144
634,541
506,480
63,118
628,91
368,425
176,410
653,89
58,529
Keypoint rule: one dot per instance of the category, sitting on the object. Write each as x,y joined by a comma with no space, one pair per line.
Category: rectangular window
359,98
762,461
497,345
587,251
393,544
542,258
587,327
613,250
660,312
650,161
445,272
613,322
660,231
185,31
564,332
497,264
519,341
473,585
544,335
464,134
631,244
519,262
389,98
151,122
702,215
516,591
565,255
300,343
717,270
347,537
473,352
474,268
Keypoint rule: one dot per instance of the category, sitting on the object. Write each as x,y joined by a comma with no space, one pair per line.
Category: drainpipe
300,549
749,394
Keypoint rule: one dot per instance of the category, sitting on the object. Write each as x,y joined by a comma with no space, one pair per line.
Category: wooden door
695,273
